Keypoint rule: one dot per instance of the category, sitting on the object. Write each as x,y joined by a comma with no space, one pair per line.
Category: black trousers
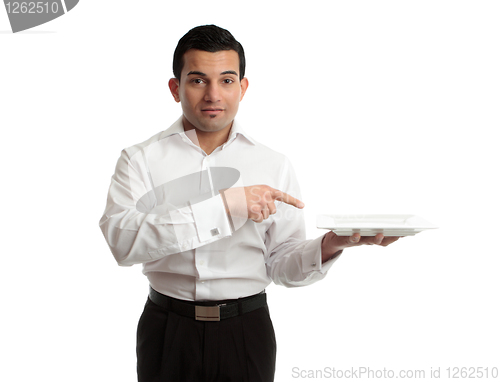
174,348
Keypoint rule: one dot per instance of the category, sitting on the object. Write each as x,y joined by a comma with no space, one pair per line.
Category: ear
173,84
244,86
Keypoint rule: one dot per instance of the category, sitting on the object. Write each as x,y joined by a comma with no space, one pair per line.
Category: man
214,217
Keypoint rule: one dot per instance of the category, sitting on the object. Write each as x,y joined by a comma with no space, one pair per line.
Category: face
209,89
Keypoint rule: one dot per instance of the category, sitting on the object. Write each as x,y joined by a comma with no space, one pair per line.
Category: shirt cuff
311,257
211,219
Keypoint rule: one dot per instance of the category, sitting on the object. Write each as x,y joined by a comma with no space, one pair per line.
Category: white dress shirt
164,210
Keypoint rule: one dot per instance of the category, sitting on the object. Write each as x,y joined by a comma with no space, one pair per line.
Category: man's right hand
256,202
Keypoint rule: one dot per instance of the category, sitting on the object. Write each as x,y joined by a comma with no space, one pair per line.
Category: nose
212,93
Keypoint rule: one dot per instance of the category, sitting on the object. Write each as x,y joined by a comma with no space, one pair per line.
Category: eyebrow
197,73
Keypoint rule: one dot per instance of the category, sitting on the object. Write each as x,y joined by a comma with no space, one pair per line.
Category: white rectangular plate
370,225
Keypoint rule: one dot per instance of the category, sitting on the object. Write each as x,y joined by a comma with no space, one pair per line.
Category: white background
381,106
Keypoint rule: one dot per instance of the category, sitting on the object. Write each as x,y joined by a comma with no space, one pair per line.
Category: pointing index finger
288,199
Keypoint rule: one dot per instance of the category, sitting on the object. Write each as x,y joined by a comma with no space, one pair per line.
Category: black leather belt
209,310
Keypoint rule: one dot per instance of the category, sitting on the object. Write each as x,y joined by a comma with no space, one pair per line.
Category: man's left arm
298,262
293,261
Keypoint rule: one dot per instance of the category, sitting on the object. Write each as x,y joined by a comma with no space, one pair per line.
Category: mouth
212,111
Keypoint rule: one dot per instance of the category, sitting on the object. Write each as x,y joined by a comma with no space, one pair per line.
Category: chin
214,126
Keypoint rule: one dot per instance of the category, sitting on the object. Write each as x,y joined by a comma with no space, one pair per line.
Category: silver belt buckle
207,313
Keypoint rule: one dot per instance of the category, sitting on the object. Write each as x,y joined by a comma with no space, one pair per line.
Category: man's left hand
333,244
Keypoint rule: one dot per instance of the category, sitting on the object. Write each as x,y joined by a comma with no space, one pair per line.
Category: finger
379,237
354,238
342,241
268,196
255,209
389,240
288,199
265,212
254,214
371,240
272,208
258,218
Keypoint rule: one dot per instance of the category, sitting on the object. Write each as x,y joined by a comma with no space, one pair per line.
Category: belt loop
240,307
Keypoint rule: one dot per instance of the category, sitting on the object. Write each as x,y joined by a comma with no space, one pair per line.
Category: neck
209,141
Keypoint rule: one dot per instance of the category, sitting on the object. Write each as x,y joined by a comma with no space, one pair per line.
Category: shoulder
174,129
134,149
257,148
268,152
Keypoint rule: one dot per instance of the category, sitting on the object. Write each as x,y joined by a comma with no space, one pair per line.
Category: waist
209,310
227,286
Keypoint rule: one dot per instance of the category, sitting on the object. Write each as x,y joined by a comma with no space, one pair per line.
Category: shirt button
313,264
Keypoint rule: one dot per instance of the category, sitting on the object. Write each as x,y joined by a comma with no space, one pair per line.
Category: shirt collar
178,128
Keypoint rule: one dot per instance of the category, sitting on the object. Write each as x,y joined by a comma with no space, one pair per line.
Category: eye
197,81
228,81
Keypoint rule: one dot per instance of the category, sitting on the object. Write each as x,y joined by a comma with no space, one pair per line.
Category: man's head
209,79
209,38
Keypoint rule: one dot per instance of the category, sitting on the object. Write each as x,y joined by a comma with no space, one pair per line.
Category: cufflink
214,231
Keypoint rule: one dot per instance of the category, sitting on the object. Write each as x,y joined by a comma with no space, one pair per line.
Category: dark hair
209,38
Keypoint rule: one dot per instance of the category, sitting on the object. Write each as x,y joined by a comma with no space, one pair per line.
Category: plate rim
321,224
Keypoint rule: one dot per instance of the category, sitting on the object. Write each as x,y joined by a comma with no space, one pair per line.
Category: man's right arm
142,235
